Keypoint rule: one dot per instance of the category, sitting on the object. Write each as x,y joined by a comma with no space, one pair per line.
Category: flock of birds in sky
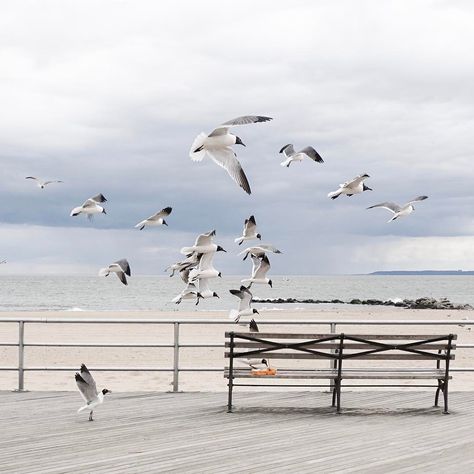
197,268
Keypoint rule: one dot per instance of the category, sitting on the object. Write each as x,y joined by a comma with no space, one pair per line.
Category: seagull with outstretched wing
397,210
292,155
88,390
217,145
42,184
120,268
156,219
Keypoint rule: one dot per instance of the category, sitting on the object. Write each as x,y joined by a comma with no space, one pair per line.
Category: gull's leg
90,415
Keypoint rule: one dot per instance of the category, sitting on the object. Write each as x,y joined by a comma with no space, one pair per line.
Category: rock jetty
420,303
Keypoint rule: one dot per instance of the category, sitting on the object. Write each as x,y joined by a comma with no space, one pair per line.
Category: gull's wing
123,264
86,384
49,182
203,285
419,198
184,274
31,177
245,297
98,198
391,206
269,248
89,203
226,159
255,264
244,120
262,270
253,326
120,274
249,226
310,152
288,150
205,261
205,239
163,213
353,183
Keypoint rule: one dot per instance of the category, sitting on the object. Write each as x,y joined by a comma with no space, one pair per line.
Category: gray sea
82,293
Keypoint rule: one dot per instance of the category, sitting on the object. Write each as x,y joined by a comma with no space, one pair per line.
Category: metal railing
176,345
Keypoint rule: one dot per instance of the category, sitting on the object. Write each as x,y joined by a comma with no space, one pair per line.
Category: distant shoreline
425,272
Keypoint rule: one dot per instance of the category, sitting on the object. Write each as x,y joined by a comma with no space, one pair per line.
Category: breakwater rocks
420,303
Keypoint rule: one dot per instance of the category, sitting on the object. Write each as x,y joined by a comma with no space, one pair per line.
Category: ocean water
82,293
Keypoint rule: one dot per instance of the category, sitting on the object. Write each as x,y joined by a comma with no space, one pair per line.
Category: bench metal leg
229,399
445,396
440,387
333,404
338,396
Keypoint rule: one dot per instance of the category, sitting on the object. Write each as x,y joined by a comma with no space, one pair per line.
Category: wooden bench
350,357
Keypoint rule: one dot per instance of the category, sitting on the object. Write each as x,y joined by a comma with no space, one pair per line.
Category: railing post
333,362
21,356
176,358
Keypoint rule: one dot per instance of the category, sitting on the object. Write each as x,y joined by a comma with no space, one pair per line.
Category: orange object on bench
263,372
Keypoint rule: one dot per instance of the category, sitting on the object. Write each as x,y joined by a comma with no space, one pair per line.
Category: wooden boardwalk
269,432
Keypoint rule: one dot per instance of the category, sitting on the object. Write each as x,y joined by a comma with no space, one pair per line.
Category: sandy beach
189,357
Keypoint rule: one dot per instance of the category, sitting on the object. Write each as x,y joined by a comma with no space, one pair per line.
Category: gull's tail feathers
103,272
234,315
197,144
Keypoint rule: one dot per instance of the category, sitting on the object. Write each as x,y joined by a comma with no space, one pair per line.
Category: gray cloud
108,97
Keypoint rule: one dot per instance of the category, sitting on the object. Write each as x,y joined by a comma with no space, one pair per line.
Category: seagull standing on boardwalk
88,390
120,268
156,219
42,184
249,232
399,211
90,207
349,188
245,297
291,155
218,146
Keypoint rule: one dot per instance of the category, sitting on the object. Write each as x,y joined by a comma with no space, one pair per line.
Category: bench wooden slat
274,335
302,355
346,374
331,345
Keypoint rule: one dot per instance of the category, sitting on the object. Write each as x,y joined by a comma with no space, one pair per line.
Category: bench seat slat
346,374
302,355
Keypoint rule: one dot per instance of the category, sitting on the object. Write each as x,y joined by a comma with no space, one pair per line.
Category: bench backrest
342,346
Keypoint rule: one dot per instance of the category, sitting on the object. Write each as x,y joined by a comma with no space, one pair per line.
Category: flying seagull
203,244
42,184
204,289
90,207
88,391
249,232
291,155
399,211
190,291
218,146
120,268
349,188
191,261
205,268
155,219
259,271
245,297
259,250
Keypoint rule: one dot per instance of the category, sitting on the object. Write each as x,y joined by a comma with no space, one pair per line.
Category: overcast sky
108,97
